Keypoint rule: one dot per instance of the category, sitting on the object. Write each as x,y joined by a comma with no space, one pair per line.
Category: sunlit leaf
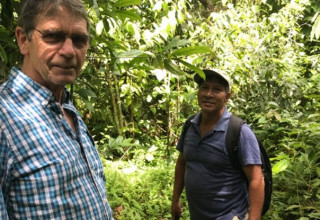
186,51
315,32
176,42
131,14
99,27
280,166
125,3
131,54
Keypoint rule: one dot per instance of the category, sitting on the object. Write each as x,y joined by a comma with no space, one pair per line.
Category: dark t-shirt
214,189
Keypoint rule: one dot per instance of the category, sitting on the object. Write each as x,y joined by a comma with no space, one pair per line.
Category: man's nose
209,92
67,48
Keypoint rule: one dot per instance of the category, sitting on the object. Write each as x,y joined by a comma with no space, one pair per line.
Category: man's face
212,96
54,55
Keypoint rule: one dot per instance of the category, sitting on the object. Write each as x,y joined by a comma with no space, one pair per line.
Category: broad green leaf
280,166
186,51
131,14
96,7
262,120
131,54
125,3
314,215
157,61
176,42
171,67
315,134
316,183
192,67
99,27
316,115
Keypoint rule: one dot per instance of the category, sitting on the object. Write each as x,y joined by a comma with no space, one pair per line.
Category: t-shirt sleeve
249,151
179,146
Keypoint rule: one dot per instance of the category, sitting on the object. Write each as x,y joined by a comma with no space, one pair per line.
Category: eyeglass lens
55,37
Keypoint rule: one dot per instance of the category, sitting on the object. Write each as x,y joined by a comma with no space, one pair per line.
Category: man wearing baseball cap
215,189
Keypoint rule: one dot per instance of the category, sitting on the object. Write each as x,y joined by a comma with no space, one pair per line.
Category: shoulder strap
232,139
186,126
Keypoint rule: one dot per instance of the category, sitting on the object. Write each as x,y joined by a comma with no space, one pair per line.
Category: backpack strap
232,139
186,126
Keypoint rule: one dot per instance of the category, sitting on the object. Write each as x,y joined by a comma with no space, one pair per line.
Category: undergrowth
141,192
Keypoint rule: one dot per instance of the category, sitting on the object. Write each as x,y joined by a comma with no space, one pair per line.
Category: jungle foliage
136,90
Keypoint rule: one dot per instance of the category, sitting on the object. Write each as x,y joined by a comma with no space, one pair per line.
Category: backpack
232,139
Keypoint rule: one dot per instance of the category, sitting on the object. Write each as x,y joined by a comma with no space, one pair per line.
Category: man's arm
256,190
176,208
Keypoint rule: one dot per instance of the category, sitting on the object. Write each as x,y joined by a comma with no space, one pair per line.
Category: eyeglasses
56,37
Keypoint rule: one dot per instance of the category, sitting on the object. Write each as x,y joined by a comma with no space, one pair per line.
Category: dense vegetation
136,90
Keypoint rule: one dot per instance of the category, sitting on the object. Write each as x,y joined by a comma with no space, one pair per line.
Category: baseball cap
213,73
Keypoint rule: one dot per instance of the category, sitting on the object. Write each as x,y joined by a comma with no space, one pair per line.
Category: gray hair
30,9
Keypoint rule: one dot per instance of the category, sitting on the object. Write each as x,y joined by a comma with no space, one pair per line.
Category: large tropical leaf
187,51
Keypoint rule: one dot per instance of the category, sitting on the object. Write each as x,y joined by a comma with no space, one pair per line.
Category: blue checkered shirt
47,171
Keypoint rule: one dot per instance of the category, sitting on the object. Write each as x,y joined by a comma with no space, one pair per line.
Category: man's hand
176,210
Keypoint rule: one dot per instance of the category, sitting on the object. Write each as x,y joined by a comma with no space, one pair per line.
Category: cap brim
211,73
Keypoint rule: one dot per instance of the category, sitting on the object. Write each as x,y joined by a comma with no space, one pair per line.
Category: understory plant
141,192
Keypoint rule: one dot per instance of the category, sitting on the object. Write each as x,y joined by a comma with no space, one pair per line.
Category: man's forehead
57,21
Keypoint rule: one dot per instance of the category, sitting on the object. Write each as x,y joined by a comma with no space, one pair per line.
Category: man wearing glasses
49,167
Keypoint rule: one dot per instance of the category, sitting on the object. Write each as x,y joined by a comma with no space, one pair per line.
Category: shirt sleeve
179,146
3,210
3,159
249,151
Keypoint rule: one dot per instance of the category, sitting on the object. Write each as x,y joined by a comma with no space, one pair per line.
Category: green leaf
318,171
131,54
125,3
89,106
186,51
99,27
3,55
176,42
131,14
315,32
280,166
5,37
157,61
314,215
192,67
85,93
171,67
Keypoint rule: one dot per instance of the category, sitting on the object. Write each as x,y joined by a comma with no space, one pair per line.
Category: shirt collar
28,86
222,124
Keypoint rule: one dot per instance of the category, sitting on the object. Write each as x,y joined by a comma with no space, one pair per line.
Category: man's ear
228,95
22,40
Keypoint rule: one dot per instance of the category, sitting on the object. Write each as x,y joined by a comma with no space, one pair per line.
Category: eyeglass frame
61,38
